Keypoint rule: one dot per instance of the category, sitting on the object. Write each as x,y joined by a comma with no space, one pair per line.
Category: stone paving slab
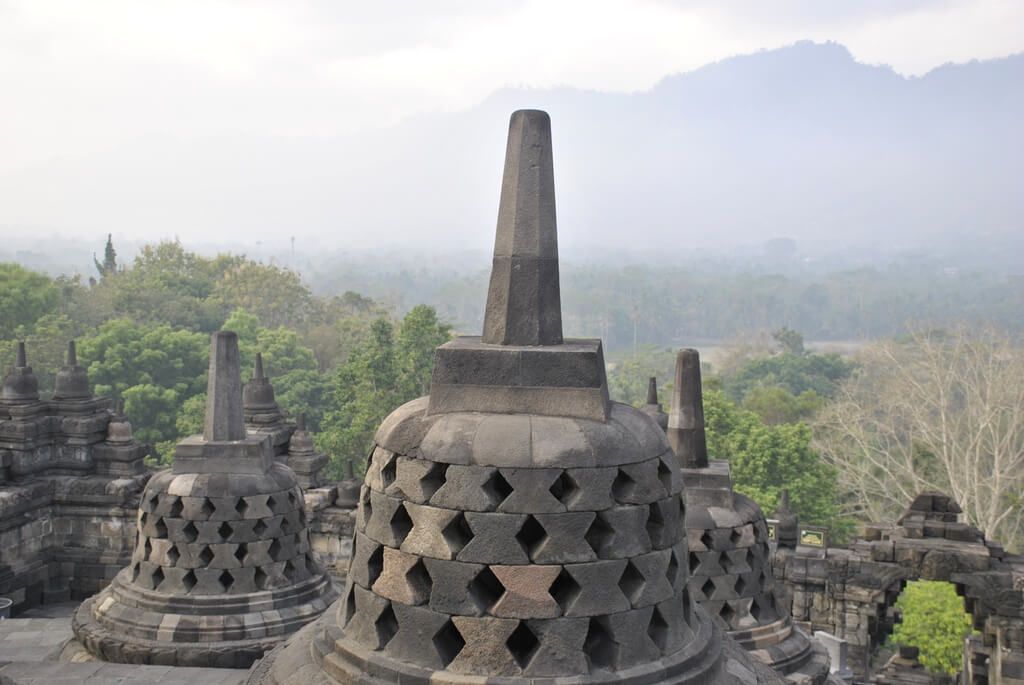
33,639
99,673
59,610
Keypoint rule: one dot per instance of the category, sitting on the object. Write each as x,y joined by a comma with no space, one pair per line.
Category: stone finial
258,393
224,418
652,390
787,532
686,416
653,407
72,381
523,301
20,384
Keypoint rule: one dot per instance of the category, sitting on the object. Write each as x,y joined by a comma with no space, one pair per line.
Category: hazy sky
78,78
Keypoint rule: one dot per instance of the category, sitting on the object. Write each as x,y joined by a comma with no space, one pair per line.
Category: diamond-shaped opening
173,555
735,535
708,588
259,528
708,539
655,522
457,533
687,607
312,564
189,580
375,565
190,532
286,525
386,625
740,585
448,642
152,501
755,610
727,613
160,528
485,589
672,572
497,488
565,590
271,503
147,550
290,572
205,555
434,479
531,535
158,577
177,506
657,630
275,550
751,557
241,506
207,509
135,571
665,476
225,531
600,648
259,578
694,562
565,488
419,581
522,645
389,472
350,604
600,535
291,498
725,561
623,486
143,519
226,580
631,582
241,551
401,524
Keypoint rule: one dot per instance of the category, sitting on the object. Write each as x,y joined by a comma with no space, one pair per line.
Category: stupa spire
523,301
686,416
22,358
652,390
224,419
20,384
72,381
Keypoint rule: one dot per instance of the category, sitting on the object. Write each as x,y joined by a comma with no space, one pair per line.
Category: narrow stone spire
224,418
686,417
652,390
523,301
257,370
22,358
787,531
300,423
72,358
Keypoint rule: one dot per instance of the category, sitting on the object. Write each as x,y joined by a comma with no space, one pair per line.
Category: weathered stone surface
224,417
686,416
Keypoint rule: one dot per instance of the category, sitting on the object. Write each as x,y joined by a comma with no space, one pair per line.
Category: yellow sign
812,537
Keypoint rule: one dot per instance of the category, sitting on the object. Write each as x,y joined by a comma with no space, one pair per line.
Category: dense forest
929,399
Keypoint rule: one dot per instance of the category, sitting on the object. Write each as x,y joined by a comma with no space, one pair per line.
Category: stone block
494,539
471,488
414,640
531,491
459,588
590,589
404,578
437,533
526,592
485,651
564,541
620,532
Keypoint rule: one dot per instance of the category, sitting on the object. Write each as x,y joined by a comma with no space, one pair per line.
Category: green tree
155,369
109,264
934,621
767,459
24,297
278,296
419,335
777,405
627,378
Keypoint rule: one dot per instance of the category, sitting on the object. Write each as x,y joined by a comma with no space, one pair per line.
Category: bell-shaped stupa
516,526
729,557
222,570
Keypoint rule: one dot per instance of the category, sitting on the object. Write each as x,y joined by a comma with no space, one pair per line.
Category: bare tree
935,411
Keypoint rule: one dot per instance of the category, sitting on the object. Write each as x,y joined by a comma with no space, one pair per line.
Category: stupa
222,569
729,557
515,525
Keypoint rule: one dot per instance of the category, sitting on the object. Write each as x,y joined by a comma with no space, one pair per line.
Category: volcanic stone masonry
222,569
516,525
70,477
729,555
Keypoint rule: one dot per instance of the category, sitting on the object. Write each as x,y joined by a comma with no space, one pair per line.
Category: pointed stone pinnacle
72,354
300,423
523,301
784,501
652,390
686,417
224,418
22,360
71,381
257,370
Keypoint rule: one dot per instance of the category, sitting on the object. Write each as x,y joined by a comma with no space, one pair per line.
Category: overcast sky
77,78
